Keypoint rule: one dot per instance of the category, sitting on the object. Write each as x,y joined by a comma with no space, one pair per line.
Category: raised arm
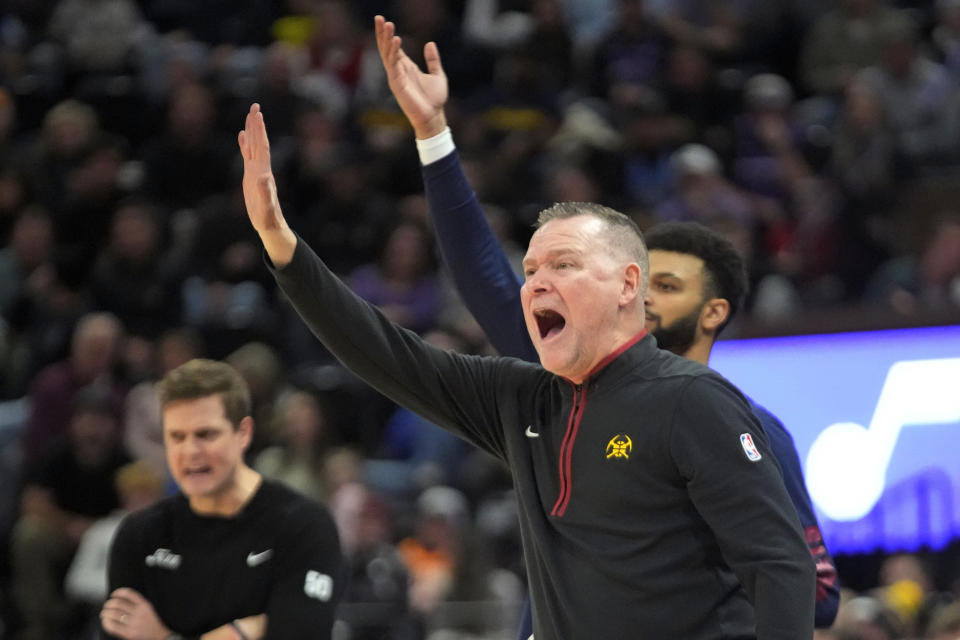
451,390
420,95
260,191
480,269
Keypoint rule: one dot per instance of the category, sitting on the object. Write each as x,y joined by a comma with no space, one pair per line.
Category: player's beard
679,335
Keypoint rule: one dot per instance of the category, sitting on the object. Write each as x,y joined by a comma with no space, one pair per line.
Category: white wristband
439,146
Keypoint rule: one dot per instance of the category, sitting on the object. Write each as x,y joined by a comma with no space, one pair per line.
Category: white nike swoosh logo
530,433
253,559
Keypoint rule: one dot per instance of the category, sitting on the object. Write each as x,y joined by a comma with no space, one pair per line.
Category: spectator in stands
375,606
93,350
188,160
444,559
865,617
70,131
945,36
97,35
702,192
630,60
714,27
300,428
403,282
93,192
30,247
768,142
131,278
840,43
340,60
68,486
929,281
921,102
694,94
865,168
945,624
262,370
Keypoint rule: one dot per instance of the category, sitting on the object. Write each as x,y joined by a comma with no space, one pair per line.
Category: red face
572,295
204,450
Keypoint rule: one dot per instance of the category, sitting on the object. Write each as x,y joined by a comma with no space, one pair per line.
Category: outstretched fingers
384,31
388,42
253,140
432,56
390,46
258,131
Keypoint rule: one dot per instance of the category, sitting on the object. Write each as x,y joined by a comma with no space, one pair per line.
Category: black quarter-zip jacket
650,505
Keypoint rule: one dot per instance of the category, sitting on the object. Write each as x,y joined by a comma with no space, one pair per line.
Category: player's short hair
621,231
200,378
726,274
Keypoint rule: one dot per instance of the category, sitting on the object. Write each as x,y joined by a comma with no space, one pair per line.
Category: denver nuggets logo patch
619,446
749,448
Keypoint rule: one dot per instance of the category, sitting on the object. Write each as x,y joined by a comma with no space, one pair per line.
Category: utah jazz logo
619,446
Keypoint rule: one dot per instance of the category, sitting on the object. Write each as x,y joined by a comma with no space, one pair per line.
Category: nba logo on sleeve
749,448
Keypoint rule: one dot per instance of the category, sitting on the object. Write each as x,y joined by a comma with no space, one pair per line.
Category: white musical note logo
847,464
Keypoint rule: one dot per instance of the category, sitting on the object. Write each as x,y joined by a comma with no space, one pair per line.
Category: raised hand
420,95
260,190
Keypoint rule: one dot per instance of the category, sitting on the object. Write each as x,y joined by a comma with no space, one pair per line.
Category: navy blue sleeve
480,269
785,451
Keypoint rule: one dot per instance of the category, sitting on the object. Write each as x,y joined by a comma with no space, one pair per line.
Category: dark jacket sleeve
785,451
309,578
455,391
125,561
736,486
480,269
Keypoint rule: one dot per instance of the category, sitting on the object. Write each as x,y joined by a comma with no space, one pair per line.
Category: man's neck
699,351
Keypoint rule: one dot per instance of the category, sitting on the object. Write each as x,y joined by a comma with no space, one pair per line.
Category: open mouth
549,322
197,472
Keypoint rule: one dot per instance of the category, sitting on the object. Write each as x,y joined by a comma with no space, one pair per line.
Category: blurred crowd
821,136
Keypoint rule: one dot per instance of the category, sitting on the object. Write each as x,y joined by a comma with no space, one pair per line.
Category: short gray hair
621,231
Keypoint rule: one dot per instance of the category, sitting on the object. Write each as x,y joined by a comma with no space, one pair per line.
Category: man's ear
632,278
714,313
245,429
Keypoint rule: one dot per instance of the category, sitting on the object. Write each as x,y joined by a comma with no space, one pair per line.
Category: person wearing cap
444,559
650,504
232,556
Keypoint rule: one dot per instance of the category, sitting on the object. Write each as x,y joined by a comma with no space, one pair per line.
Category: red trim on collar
616,352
